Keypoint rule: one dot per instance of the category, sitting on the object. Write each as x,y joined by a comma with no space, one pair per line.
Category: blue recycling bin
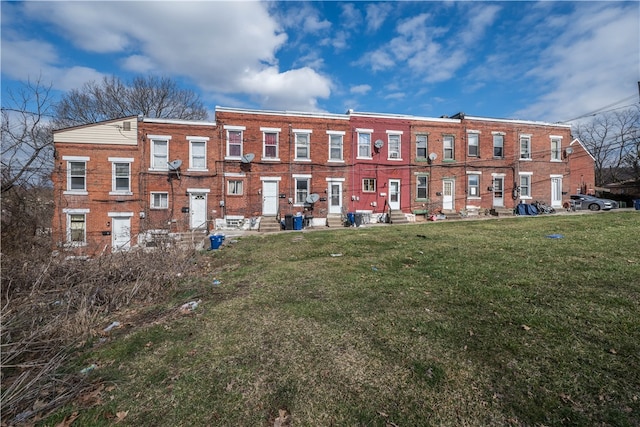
216,241
297,222
351,217
636,204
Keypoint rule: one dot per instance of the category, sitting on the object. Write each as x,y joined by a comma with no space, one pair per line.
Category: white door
198,210
335,197
121,233
498,191
269,197
448,190
394,194
556,192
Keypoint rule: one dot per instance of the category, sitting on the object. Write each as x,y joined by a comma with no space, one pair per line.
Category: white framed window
473,143
364,143
197,153
234,187
76,174
120,175
498,145
234,141
422,188
447,147
525,185
369,185
336,142
473,185
270,143
394,141
159,152
303,184
159,200
76,226
525,147
421,147
302,139
556,147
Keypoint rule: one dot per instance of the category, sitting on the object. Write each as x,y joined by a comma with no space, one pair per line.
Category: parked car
583,201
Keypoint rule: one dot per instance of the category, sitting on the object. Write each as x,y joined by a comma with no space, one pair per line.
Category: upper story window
525,147
369,185
303,144
336,142
197,153
159,200
76,174
498,145
421,147
421,187
159,152
364,143
270,137
394,144
556,146
447,147
473,141
121,175
234,141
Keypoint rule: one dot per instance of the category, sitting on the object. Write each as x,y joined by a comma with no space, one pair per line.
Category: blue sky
551,61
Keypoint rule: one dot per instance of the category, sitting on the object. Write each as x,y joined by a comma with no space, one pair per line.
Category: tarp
524,209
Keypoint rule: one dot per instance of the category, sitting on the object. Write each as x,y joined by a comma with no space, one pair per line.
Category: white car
583,201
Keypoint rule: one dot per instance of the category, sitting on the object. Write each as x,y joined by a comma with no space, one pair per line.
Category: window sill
233,158
474,198
525,160
526,197
364,158
335,161
154,208
270,159
197,170
302,160
120,193
158,170
448,160
556,161
394,159
76,193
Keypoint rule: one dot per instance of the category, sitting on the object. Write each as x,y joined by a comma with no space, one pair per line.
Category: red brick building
121,183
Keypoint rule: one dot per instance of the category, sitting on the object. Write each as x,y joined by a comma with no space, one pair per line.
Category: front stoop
398,217
334,221
269,224
501,212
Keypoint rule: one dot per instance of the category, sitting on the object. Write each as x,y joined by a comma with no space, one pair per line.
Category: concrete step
269,224
334,221
398,217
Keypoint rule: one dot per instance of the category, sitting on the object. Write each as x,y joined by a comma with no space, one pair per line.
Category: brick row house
122,183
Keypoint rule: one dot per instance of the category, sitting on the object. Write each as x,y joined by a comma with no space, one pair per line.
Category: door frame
116,216
395,205
557,191
334,209
501,178
453,194
275,180
193,192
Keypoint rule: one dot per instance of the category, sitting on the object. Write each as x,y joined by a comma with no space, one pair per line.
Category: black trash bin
358,219
288,222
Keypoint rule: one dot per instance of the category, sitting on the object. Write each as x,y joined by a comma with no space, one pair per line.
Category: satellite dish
175,164
433,156
378,144
247,158
312,198
569,150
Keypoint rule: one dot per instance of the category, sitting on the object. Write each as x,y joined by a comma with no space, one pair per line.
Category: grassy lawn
468,323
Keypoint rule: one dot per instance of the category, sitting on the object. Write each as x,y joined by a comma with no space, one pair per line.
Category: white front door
498,191
394,194
121,233
448,190
198,210
556,191
269,197
335,197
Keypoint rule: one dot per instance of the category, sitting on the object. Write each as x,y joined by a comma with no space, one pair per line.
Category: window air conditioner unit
393,155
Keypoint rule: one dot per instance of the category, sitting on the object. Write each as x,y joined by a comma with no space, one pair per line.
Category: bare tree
613,138
156,97
27,139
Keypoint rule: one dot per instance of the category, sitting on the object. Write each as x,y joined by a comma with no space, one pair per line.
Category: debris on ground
283,420
189,306
113,325
336,255
88,369
555,236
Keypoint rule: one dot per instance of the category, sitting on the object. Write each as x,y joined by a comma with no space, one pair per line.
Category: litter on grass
111,326
555,236
88,369
190,306
335,255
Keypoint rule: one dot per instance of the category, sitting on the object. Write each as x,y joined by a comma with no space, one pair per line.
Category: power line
600,110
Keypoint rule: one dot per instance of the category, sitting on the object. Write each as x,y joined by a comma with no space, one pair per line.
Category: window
473,139
159,153
421,187
421,147
270,143
234,187
364,144
159,200
447,145
369,185
525,186
556,144
234,143
394,146
302,190
77,176
498,145
197,153
336,141
525,147
473,185
76,226
121,177
302,141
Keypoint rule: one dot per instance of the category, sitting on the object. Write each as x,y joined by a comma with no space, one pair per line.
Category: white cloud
223,47
360,89
376,15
